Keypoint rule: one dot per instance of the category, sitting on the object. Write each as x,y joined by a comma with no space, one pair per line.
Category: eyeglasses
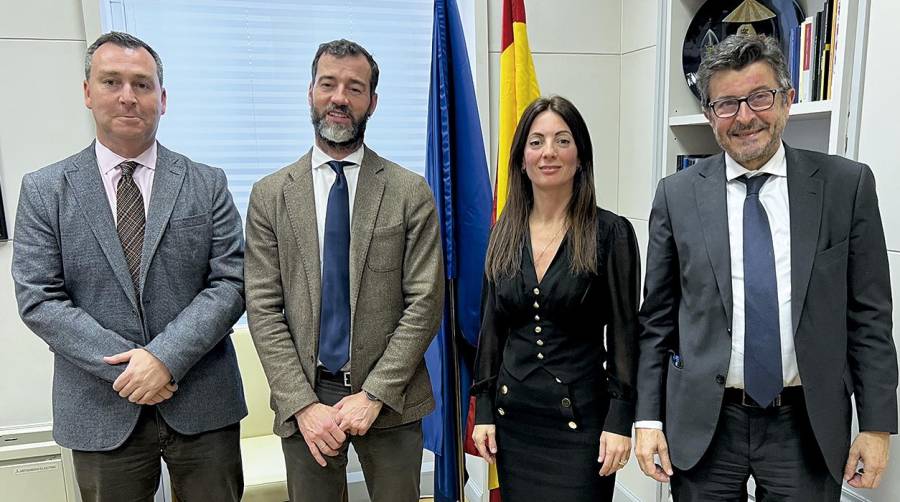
758,101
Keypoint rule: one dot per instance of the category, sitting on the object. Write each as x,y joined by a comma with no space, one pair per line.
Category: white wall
635,180
576,49
878,148
43,120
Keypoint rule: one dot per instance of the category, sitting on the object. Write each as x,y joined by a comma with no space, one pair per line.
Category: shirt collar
108,160
775,166
320,159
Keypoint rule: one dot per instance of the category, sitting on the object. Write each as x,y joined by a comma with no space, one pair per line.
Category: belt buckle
744,402
753,404
346,378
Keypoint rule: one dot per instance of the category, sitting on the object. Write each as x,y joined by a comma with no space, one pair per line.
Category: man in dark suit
344,294
127,261
767,305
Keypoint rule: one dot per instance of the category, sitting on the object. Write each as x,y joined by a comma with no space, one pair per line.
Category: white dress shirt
774,198
323,177
108,162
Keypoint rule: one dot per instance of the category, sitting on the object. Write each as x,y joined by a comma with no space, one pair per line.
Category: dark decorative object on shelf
709,27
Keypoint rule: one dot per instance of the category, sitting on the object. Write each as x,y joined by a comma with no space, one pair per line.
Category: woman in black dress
555,394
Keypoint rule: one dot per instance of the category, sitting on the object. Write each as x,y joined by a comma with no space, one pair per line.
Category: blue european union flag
456,170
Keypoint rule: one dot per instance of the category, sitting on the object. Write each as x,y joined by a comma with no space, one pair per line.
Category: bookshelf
816,125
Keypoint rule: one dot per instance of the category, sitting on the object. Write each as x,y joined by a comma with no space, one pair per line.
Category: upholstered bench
264,472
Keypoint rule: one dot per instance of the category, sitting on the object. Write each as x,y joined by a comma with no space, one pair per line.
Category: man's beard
764,151
339,136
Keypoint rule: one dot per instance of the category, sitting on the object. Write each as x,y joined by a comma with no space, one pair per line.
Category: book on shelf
834,6
683,162
794,61
806,59
813,53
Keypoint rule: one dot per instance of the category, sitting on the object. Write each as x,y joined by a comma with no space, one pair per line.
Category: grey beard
337,135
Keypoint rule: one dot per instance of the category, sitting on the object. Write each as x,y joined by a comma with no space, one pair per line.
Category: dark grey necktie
130,220
762,338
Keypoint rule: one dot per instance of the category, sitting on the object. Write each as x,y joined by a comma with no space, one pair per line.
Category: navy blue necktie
334,321
762,337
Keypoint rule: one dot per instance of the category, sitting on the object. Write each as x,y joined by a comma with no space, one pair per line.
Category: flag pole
457,396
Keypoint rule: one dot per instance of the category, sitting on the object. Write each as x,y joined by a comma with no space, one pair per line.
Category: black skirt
548,439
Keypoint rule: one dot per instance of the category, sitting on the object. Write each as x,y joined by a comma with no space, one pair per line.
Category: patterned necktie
130,220
334,321
762,338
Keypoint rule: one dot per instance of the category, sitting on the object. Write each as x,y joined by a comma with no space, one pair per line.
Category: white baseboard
626,494
848,495
474,493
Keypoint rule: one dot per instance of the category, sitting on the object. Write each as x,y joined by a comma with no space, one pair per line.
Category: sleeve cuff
620,417
648,424
484,409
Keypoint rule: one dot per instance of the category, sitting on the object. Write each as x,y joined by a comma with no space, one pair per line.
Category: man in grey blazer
767,305
344,294
127,261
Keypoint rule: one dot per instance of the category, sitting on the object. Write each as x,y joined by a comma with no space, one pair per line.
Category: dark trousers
391,461
776,446
202,467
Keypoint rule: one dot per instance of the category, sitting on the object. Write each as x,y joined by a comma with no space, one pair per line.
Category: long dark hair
504,253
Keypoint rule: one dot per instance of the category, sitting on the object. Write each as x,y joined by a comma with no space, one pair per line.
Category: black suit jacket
840,304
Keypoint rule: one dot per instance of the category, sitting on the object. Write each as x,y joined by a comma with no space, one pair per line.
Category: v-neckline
530,252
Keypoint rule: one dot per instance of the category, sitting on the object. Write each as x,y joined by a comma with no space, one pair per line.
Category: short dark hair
343,48
122,40
738,52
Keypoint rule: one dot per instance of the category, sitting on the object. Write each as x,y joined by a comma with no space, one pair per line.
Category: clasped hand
324,428
146,380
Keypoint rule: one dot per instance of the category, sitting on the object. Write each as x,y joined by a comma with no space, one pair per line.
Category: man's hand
653,442
485,439
872,449
165,393
144,377
356,412
318,425
614,452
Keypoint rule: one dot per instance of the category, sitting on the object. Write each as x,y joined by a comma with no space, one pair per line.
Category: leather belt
787,397
341,377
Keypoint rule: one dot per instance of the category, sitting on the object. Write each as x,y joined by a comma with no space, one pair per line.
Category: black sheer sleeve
623,274
490,353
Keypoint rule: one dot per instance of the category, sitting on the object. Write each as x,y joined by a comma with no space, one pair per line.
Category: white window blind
237,74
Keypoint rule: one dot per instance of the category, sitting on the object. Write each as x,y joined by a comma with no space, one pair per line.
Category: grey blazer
74,291
840,304
396,288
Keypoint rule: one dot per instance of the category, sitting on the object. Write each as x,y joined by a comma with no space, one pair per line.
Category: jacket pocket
387,248
834,254
189,221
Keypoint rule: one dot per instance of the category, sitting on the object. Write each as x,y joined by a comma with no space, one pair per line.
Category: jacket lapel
710,192
805,201
369,190
167,181
300,201
84,177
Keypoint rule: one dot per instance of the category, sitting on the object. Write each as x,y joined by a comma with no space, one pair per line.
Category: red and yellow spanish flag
518,88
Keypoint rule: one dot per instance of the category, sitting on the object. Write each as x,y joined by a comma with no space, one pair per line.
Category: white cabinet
31,468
